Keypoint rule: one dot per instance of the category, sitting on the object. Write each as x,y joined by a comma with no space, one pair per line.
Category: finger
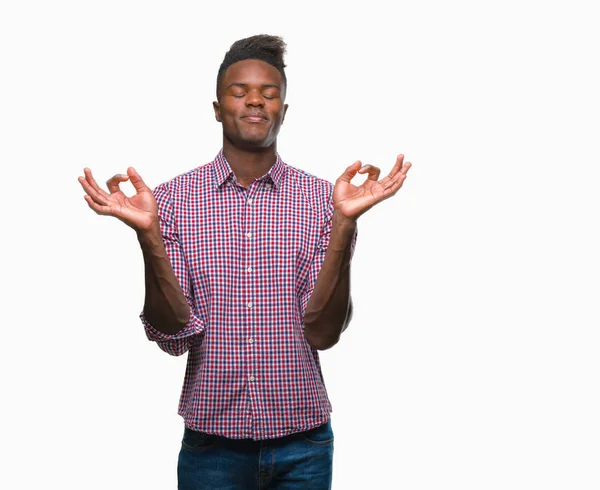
99,209
113,182
372,171
406,167
350,172
90,178
394,184
98,197
136,180
397,167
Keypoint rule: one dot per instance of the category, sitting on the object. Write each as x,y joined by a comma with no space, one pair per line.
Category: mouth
255,117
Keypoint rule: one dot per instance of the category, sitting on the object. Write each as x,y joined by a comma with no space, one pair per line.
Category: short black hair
264,47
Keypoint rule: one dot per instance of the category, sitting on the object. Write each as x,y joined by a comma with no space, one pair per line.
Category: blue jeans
298,461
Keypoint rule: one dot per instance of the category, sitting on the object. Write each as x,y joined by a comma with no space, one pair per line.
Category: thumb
350,172
136,180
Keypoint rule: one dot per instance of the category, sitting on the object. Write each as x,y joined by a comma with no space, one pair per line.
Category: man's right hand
140,211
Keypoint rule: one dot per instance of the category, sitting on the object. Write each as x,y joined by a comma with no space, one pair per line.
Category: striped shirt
247,261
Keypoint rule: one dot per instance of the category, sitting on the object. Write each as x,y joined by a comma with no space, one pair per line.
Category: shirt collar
223,171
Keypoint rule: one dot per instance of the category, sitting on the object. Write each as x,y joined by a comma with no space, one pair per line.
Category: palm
352,200
139,208
139,211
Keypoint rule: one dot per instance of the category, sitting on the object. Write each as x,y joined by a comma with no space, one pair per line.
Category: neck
248,165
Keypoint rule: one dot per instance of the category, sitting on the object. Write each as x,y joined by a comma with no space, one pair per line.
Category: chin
254,141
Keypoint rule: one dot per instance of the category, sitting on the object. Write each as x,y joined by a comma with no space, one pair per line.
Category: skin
329,309
251,110
247,88
165,305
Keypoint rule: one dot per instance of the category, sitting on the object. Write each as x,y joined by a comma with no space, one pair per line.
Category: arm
167,305
329,308
168,316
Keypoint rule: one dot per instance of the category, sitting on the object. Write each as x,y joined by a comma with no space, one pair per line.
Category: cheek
280,119
277,114
230,119
231,108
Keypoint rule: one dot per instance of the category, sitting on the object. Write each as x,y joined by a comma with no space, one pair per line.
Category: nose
255,99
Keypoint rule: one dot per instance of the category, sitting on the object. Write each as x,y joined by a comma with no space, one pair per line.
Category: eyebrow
245,85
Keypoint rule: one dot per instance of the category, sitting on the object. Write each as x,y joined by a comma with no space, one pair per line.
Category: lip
256,117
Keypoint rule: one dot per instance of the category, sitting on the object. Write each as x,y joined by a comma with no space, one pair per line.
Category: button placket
248,288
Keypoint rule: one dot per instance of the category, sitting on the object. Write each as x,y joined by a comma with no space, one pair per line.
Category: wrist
343,223
150,237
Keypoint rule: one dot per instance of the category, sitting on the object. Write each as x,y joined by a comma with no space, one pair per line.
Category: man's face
250,105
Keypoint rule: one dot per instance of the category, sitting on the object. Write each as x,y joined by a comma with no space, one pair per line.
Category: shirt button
249,269
250,201
249,234
251,378
250,340
249,304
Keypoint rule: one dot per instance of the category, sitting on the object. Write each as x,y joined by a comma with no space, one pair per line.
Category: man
247,268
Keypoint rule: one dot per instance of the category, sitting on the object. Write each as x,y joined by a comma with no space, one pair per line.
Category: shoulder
180,185
316,189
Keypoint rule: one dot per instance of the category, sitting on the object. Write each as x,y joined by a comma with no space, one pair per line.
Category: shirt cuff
193,327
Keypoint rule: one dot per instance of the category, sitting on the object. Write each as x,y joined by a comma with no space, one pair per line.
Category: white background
472,360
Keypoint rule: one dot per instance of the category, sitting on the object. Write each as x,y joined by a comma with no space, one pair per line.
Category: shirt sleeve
179,343
317,262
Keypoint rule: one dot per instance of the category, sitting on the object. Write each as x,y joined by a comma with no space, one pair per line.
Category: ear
285,108
217,108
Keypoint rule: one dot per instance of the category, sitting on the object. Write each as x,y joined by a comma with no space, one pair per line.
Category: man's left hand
352,201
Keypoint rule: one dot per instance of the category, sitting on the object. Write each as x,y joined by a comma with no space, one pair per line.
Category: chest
232,234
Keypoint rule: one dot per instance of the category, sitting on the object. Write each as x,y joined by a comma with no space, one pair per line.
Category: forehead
252,72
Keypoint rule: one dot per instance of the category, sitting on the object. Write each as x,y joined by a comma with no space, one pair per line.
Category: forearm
329,308
165,305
